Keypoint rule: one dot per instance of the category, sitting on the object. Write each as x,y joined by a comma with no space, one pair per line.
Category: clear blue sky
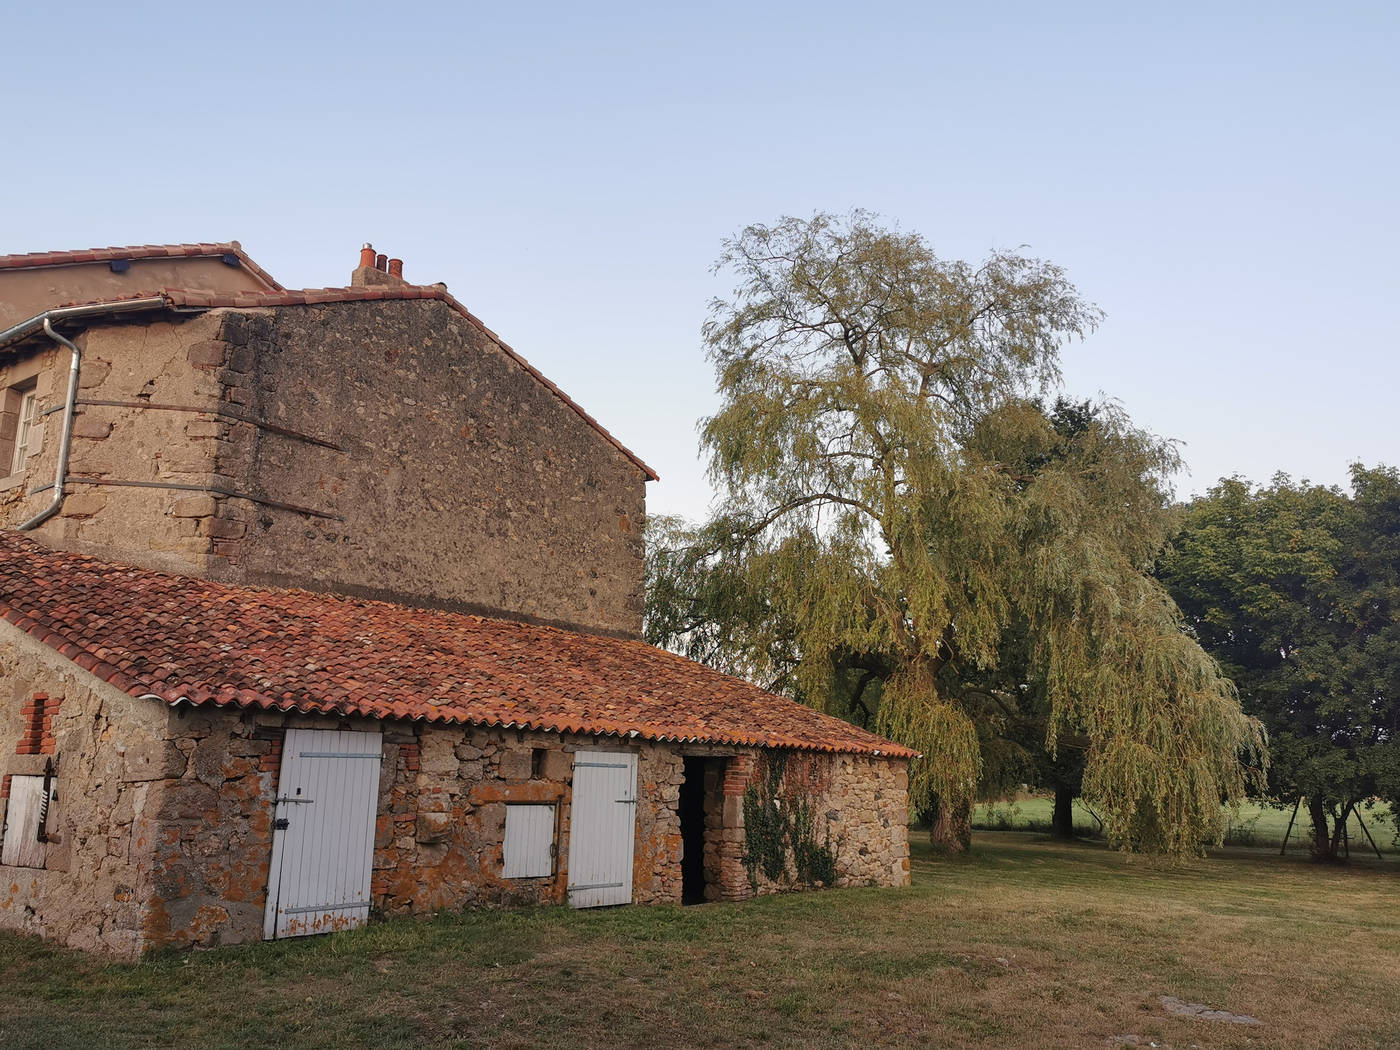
1220,178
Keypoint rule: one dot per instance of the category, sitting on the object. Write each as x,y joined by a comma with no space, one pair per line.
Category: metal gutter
65,442
35,324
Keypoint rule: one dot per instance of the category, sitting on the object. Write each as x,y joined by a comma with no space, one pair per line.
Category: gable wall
384,449
460,477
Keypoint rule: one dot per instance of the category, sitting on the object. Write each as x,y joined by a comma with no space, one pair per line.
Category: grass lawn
1252,825
1025,943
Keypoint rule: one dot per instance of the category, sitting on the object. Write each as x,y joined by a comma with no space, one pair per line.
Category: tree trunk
1322,840
950,830
1062,819
1339,830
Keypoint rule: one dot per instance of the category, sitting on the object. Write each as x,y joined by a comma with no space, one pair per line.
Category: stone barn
323,603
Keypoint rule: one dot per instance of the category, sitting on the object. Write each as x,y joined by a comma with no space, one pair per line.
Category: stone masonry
163,834
385,449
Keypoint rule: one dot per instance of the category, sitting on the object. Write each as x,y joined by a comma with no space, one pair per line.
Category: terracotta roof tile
192,640
35,260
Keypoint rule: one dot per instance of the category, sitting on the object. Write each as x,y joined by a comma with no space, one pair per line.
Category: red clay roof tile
190,640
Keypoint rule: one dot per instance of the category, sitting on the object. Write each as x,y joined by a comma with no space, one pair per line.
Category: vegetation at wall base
780,831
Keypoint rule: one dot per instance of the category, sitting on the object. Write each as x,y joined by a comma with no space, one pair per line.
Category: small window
24,431
31,812
529,847
536,762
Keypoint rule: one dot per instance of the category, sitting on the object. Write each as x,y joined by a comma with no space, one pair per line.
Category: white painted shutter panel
327,793
529,838
22,846
602,828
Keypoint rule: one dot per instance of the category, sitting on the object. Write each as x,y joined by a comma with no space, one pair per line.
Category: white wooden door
602,828
323,838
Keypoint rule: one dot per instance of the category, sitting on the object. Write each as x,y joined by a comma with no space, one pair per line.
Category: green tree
896,501
1295,588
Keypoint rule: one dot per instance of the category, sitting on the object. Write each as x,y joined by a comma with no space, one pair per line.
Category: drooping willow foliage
899,500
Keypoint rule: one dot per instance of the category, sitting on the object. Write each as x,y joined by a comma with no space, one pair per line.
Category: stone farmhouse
317,603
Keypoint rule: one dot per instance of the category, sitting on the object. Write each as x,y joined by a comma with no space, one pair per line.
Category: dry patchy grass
1025,943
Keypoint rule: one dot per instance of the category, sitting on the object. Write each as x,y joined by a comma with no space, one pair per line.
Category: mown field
1025,943
1252,824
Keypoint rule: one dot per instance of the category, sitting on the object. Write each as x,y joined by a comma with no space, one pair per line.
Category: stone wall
439,826
110,759
459,476
163,831
146,460
384,449
860,804
441,823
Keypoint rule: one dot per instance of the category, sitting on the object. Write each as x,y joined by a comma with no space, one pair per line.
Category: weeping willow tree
897,502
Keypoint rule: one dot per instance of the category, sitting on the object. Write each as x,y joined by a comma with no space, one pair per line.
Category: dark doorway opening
692,813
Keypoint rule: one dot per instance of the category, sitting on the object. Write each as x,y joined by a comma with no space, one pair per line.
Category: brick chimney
376,269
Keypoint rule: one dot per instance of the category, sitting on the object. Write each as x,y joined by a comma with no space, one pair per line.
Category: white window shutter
22,846
529,842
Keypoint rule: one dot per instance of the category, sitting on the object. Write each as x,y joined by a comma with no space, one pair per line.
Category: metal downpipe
66,441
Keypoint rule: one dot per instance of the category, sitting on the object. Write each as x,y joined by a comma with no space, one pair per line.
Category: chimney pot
367,255
396,268
381,262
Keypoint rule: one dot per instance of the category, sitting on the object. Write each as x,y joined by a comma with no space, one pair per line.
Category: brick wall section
39,715
48,745
270,763
31,740
725,877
